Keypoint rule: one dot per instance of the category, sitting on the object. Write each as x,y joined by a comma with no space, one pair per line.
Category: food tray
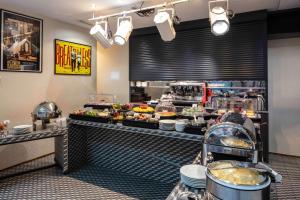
100,107
168,117
141,124
90,118
197,130
206,116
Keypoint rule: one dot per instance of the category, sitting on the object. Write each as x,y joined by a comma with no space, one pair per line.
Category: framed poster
21,42
72,58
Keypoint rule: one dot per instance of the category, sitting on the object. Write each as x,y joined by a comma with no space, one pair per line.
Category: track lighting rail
136,10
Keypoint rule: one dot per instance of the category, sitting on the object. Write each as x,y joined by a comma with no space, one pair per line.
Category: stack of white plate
193,175
167,124
22,129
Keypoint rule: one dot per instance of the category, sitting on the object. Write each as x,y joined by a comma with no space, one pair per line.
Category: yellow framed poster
72,58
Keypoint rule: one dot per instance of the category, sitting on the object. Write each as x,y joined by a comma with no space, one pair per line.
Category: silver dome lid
230,135
46,110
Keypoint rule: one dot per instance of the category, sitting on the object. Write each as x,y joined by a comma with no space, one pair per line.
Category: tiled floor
39,163
90,182
96,183
289,168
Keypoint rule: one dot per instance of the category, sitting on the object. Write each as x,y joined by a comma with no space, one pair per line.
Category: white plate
23,127
21,133
193,185
194,171
21,130
193,175
192,181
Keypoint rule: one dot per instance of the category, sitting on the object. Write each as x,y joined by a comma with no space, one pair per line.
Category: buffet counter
150,154
36,135
60,135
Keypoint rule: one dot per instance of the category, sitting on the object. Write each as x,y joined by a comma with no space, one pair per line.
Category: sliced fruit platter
143,108
122,107
118,117
193,111
141,120
91,115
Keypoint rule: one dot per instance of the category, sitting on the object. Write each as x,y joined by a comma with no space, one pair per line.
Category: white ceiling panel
76,11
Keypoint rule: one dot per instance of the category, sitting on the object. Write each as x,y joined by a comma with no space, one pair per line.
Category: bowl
180,125
167,125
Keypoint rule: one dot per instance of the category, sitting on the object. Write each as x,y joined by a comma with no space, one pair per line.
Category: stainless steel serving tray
266,181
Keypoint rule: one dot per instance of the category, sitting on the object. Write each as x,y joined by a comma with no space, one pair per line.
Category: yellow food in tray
221,111
250,113
236,142
143,109
166,114
103,114
118,118
238,176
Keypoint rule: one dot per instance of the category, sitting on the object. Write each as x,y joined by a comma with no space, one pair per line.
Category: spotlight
164,24
124,30
218,17
101,35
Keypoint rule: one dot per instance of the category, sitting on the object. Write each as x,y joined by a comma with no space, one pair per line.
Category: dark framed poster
72,58
21,42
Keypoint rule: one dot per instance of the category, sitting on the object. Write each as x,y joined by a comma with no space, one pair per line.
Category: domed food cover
230,135
165,108
46,110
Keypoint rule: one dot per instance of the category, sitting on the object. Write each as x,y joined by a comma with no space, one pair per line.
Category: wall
284,96
113,71
21,92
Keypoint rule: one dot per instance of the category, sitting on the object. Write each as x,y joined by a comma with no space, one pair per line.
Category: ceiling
78,11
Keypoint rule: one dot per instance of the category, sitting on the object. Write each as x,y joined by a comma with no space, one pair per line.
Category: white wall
113,71
284,96
21,92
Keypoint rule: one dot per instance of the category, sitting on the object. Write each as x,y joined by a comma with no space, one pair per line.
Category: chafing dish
233,180
229,140
45,111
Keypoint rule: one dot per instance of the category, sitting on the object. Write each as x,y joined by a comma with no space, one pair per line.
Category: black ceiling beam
284,24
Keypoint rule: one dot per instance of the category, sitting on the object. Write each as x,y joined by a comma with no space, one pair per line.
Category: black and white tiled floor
289,168
89,183
39,163
94,183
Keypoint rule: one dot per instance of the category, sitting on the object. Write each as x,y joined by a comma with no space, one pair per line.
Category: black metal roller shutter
197,54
